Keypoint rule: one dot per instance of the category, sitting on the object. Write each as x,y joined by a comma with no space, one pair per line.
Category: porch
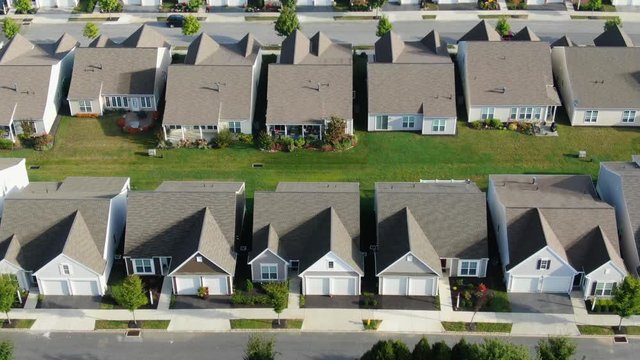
308,132
8,132
176,133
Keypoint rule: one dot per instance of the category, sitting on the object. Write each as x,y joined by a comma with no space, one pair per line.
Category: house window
117,101
269,272
468,268
525,113
85,106
439,125
330,264
408,122
209,127
234,127
382,122
543,264
143,266
537,113
514,114
145,102
628,116
604,288
590,116
66,269
487,113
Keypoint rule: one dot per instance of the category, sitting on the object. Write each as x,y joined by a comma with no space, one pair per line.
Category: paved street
358,33
228,346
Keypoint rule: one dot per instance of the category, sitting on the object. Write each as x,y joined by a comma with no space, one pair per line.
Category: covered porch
189,132
307,131
8,132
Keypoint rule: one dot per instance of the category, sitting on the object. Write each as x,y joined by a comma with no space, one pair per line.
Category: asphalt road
223,346
358,33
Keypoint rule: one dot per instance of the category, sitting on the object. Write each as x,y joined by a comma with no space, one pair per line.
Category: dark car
175,21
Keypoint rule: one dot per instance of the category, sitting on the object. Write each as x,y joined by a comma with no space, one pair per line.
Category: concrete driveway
540,303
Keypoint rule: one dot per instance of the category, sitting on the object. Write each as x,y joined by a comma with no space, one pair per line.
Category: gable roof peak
65,44
564,41
389,47
432,41
615,36
145,37
18,46
80,246
481,32
246,44
319,43
526,34
295,48
201,48
102,41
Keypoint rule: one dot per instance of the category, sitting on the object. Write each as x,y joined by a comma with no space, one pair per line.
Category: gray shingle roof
390,48
206,51
179,223
145,37
563,212
526,34
439,209
80,246
20,51
495,75
297,48
318,187
563,41
6,163
306,225
481,32
604,77
201,186
615,36
102,41
88,184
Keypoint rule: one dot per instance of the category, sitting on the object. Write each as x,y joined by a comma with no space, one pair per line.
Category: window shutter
593,288
538,264
549,264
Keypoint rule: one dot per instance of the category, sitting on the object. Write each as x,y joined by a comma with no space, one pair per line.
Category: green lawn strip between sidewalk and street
479,327
607,330
18,324
124,324
264,323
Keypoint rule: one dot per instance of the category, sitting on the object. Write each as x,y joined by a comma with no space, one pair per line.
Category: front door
135,104
164,262
577,280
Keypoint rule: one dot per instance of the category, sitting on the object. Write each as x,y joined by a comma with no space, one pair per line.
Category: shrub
494,123
301,301
299,142
612,23
23,6
335,130
245,138
263,141
249,285
503,27
42,142
594,5
326,148
121,122
10,28
6,144
203,292
223,139
488,4
286,143
513,126
478,124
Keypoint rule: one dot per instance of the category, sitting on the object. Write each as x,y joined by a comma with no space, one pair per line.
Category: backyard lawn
99,148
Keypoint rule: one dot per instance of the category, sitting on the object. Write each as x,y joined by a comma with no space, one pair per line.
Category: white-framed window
145,102
65,269
525,113
537,113
268,271
590,116
234,127
628,116
175,127
143,266
604,288
382,122
330,264
543,264
85,106
468,268
408,122
439,125
117,101
487,113
514,114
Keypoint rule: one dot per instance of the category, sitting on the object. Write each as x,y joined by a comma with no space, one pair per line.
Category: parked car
175,21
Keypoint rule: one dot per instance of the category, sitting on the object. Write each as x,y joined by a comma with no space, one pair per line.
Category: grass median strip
18,324
429,17
265,324
494,16
477,327
589,17
260,18
371,324
93,19
608,330
351,17
124,324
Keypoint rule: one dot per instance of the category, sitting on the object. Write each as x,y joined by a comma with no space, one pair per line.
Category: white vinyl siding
590,116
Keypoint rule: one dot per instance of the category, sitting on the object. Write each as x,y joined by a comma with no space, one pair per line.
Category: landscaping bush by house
488,5
517,5
6,144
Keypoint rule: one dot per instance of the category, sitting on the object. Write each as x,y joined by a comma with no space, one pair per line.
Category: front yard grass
595,330
97,147
264,323
124,324
371,324
479,327
18,324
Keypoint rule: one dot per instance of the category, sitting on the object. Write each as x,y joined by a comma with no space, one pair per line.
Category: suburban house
411,86
496,87
554,234
599,85
13,177
619,185
625,2
309,231
427,230
483,31
311,82
31,84
61,237
186,231
142,2
214,89
127,76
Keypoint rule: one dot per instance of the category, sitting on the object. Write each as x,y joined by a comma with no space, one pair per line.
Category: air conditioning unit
152,152
117,257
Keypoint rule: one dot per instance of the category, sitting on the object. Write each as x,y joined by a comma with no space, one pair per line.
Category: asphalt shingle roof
615,36
481,32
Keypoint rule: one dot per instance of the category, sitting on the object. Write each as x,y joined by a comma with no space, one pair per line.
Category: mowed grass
97,147
479,327
595,330
123,324
263,323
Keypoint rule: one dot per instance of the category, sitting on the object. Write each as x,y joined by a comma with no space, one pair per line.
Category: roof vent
409,258
199,259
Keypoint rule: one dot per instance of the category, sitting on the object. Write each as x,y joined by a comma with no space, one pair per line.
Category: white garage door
394,286
85,287
235,2
47,3
324,2
343,286
556,284
409,2
422,286
55,287
217,284
67,3
524,284
134,2
317,286
187,285
304,3
217,2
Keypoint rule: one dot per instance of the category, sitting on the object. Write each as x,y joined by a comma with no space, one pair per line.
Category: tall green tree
191,25
440,351
6,350
384,26
259,348
194,5
287,22
555,348
335,130
422,350
463,350
494,349
8,293
388,350
612,23
10,28
626,298
278,293
503,27
291,4
108,6
377,4
23,6
91,31
130,294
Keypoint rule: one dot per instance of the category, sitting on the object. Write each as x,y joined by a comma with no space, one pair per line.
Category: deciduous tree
555,348
8,292
384,26
10,28
503,27
612,23
191,25
91,31
287,22
130,294
626,298
260,348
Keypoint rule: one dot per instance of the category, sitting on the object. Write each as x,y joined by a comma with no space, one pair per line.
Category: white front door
217,284
524,284
55,287
394,286
421,286
85,287
343,286
187,285
135,103
317,286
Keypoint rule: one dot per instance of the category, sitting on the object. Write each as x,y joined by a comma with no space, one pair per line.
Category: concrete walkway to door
164,300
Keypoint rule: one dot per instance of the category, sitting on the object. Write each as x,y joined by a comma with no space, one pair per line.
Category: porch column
164,131
11,134
554,114
321,132
200,128
303,131
182,130
285,130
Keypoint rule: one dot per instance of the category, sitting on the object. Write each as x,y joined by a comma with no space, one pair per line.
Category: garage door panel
67,3
556,284
524,284
304,3
85,288
343,286
421,286
217,285
394,286
187,285
55,287
317,286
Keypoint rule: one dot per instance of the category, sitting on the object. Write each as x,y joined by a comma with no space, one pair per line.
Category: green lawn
479,327
595,330
263,323
632,330
98,148
500,302
371,324
18,324
124,324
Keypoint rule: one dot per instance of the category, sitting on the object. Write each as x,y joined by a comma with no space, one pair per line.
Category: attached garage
524,284
304,3
217,2
187,285
47,3
55,287
556,284
67,3
85,288
134,2
394,285
423,286
317,286
546,284
412,286
236,3
217,284
323,2
343,286
331,285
